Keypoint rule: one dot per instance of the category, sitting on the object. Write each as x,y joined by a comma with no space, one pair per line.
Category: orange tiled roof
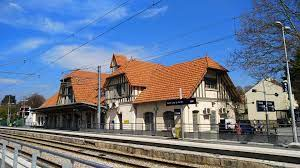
137,72
166,81
213,64
51,101
85,87
120,59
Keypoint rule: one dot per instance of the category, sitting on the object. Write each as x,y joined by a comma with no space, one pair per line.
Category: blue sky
28,28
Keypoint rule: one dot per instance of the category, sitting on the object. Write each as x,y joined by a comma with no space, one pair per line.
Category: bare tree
35,100
261,52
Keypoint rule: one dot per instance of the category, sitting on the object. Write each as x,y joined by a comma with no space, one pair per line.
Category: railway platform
264,153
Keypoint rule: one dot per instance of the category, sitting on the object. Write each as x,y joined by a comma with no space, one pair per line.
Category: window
261,106
169,120
210,83
119,90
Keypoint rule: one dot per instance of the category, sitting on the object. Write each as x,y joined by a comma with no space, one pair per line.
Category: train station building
74,106
136,93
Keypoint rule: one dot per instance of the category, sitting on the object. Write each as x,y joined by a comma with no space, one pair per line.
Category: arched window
169,119
149,124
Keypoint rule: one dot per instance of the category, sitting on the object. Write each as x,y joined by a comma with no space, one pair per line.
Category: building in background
277,98
26,114
74,106
137,92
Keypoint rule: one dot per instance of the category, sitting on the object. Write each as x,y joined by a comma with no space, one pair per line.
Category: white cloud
16,6
27,45
155,11
57,16
90,56
6,81
118,14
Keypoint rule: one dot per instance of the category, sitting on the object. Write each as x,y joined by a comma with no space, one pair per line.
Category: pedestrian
260,126
255,125
275,127
238,130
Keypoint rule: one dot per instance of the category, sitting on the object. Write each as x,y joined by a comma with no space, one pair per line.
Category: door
120,121
88,120
195,121
149,122
213,122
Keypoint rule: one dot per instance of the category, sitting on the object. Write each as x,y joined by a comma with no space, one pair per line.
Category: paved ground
287,131
206,141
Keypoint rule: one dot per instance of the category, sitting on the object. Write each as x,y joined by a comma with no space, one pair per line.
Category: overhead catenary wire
106,31
96,20
16,73
99,35
190,47
13,62
169,52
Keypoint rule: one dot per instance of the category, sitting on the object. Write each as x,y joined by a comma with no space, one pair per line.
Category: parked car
246,127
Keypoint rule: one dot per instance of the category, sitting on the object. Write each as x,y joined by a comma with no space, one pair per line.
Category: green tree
8,99
295,76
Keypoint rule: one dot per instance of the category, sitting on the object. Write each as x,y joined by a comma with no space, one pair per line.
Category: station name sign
180,101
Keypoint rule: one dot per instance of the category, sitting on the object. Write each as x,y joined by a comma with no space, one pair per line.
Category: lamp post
284,28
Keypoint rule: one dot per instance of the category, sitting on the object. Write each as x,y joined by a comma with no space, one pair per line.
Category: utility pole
99,98
266,109
181,115
8,110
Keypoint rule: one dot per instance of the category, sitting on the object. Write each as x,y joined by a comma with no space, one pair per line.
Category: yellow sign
126,121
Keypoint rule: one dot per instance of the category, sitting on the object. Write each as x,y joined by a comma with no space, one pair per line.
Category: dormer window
210,83
66,95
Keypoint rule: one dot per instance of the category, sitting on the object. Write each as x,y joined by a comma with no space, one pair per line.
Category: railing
250,132
70,160
277,134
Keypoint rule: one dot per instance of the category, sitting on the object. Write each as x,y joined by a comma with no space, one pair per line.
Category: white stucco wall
128,116
281,102
204,121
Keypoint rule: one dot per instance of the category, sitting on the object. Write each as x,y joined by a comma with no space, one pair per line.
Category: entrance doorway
120,121
213,120
195,121
149,123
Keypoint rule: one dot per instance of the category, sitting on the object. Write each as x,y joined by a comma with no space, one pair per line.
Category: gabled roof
166,81
51,101
119,60
214,65
85,87
137,72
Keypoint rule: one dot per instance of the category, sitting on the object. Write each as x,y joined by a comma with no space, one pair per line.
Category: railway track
91,152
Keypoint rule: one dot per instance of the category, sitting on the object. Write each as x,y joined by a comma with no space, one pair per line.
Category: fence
277,134
70,160
250,132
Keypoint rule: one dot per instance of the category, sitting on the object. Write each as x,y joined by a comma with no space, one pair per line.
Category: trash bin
178,132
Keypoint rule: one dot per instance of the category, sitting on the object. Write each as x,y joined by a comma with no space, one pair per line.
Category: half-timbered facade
74,106
136,97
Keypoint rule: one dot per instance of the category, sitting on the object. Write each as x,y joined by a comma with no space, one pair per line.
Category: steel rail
47,143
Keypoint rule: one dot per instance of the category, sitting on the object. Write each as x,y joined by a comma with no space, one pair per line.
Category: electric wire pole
8,110
181,115
99,99
266,109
